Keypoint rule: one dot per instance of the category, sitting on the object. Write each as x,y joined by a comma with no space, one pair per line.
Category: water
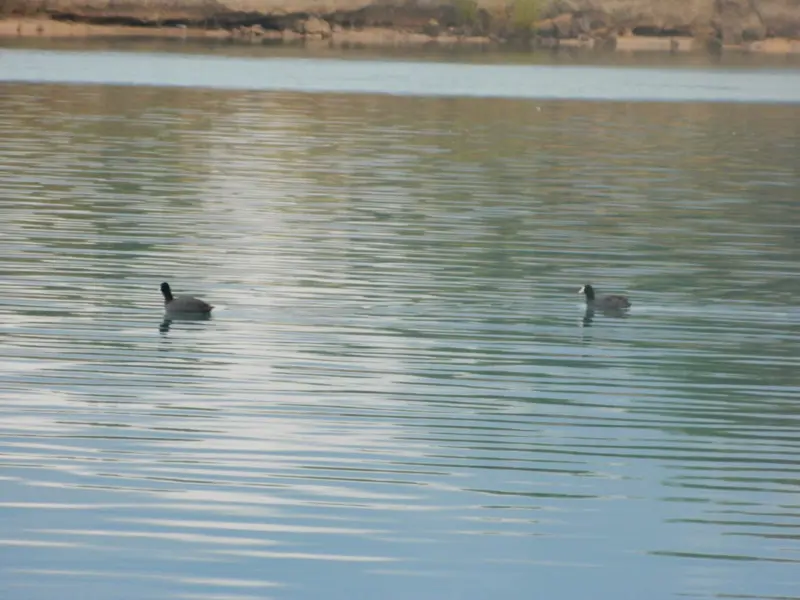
398,77
400,394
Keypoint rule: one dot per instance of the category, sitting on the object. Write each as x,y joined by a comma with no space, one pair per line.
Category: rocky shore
669,25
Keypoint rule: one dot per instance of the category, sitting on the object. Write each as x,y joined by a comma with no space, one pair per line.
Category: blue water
400,77
399,394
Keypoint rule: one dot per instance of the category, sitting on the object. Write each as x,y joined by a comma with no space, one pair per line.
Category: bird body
183,305
610,302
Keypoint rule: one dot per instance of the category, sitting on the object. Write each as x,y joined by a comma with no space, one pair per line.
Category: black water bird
604,303
184,305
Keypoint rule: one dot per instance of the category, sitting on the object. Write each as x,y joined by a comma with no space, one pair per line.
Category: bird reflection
588,316
166,324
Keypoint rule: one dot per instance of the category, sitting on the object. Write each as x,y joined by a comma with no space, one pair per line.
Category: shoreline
44,27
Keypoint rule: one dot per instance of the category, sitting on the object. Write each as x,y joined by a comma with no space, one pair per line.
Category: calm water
400,395
226,69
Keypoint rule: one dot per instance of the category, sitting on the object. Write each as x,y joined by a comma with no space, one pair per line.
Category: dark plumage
612,302
183,305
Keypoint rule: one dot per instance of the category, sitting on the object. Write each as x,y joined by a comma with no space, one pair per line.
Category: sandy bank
47,28
764,26
43,27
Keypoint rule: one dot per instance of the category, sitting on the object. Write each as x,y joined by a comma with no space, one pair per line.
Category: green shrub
524,13
466,11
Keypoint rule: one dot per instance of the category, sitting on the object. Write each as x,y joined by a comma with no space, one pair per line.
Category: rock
781,19
737,21
290,34
483,24
707,39
564,26
432,28
605,39
731,21
590,21
550,43
545,28
606,43
313,27
753,27
249,32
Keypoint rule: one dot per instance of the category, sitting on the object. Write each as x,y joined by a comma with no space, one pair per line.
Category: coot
183,305
611,302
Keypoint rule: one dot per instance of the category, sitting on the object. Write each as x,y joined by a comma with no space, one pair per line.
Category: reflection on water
459,53
165,325
402,394
614,313
458,79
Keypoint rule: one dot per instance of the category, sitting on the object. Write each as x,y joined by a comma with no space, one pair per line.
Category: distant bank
771,26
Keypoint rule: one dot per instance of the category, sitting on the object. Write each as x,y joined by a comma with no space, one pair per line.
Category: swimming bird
611,302
183,305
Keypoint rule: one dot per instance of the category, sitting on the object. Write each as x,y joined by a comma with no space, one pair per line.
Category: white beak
583,288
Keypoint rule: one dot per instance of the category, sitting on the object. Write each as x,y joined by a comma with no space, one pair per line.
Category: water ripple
399,384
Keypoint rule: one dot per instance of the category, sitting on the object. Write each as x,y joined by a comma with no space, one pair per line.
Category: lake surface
400,394
227,69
